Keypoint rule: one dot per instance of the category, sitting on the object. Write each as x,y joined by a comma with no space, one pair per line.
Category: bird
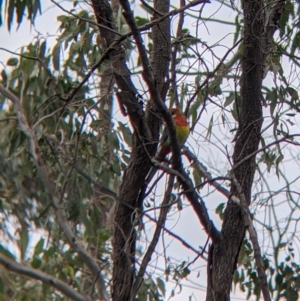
182,132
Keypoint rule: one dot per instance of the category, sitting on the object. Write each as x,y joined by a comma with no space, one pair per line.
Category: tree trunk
223,255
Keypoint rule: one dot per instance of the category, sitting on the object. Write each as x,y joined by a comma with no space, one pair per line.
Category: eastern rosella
182,132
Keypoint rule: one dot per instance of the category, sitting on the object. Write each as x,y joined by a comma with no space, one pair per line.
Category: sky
183,223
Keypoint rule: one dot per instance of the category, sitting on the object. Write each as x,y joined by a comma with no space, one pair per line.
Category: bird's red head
182,132
176,112
178,117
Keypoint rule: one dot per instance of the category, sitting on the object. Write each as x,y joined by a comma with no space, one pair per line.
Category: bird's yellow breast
182,133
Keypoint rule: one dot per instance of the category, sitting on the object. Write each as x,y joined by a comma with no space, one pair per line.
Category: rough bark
260,26
160,58
161,54
123,236
145,137
223,255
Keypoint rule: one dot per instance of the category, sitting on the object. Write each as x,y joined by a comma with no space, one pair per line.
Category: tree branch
213,73
45,278
284,139
192,196
253,237
203,170
51,188
148,76
177,237
160,224
149,79
85,20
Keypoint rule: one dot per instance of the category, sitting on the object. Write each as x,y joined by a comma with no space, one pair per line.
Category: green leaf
161,286
4,76
284,17
116,168
179,204
209,129
278,279
20,9
69,271
10,13
293,93
262,141
12,62
76,46
234,112
39,248
36,263
237,29
236,277
295,43
43,49
278,160
126,133
56,56
291,294
36,8
141,21
220,210
23,242
229,99
113,140
197,177
6,252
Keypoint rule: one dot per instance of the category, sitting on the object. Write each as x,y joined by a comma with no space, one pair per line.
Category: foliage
86,151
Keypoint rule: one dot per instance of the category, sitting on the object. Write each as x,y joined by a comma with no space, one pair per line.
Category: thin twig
84,19
203,170
284,139
188,246
151,8
212,74
160,224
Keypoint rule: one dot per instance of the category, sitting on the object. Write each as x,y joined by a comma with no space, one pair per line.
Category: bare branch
284,139
198,206
203,170
213,73
188,246
160,224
